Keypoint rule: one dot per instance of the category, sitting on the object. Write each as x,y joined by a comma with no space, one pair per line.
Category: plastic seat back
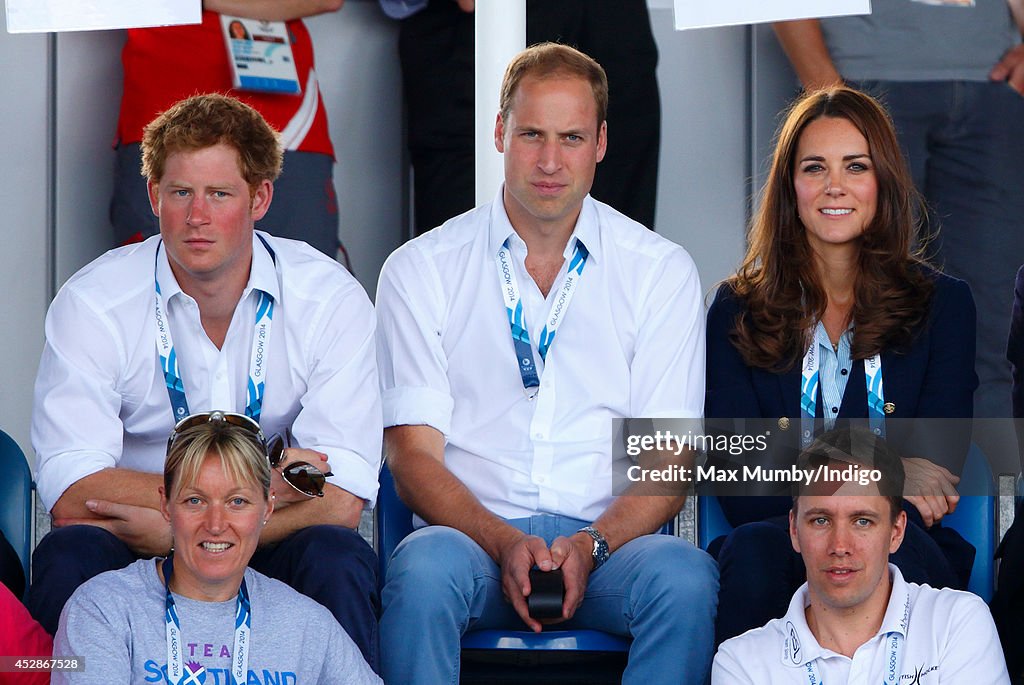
16,499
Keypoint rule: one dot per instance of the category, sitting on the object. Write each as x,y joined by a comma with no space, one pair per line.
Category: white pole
500,34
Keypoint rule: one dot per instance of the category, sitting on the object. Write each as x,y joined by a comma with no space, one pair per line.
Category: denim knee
676,573
435,564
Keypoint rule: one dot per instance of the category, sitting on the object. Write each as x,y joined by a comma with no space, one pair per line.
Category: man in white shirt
209,315
856,620
499,435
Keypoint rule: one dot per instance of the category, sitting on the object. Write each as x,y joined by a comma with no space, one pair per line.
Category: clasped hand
931,488
571,554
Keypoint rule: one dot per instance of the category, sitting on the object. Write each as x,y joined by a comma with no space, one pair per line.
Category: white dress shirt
948,638
630,345
100,396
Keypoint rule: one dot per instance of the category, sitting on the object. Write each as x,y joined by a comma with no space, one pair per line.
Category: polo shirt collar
587,229
799,645
897,614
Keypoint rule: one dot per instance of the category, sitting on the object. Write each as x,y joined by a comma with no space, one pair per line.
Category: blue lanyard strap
256,386
180,673
517,318
809,386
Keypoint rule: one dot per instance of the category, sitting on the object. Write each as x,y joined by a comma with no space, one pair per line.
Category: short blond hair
239,450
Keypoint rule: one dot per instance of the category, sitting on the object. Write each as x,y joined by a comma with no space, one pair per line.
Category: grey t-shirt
911,40
116,622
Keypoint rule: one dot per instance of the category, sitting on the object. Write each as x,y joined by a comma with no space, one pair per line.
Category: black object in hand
547,591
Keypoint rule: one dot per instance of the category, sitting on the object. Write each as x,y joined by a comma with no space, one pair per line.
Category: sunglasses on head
301,475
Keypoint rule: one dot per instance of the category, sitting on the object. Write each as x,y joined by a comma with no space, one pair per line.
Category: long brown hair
778,281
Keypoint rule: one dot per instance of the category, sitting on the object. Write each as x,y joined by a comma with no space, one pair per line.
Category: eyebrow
846,158
863,513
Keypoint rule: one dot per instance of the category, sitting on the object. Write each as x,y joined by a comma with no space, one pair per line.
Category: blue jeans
965,148
659,589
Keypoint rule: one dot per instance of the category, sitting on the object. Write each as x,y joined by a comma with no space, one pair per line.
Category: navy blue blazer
933,377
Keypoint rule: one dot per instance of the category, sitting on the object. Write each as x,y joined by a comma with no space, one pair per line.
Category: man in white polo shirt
499,433
856,620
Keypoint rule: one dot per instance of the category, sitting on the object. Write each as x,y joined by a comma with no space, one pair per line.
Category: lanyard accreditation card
809,383
260,55
517,318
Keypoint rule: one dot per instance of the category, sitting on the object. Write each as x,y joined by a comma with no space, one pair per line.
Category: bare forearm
805,47
272,10
646,505
415,457
337,507
631,516
113,485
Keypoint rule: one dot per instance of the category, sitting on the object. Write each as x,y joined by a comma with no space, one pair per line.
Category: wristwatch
600,552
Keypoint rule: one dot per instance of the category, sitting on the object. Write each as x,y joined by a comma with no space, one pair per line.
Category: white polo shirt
100,396
631,344
946,637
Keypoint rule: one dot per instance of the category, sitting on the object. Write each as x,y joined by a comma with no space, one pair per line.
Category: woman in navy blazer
830,284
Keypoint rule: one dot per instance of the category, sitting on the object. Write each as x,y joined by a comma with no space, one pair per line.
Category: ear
271,498
602,140
163,505
154,196
261,199
793,538
899,529
499,134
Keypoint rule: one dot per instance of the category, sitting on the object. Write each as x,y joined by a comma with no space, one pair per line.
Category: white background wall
720,91
24,150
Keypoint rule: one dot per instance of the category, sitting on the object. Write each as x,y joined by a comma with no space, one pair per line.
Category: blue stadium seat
710,521
394,522
975,519
16,499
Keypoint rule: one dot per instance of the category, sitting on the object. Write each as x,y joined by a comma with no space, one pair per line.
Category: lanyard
256,386
183,674
517,319
893,663
809,393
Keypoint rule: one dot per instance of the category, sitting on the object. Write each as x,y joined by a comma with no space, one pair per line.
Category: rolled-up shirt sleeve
76,425
413,364
340,411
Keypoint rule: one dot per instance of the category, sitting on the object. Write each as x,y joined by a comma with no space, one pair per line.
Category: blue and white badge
809,385
517,319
